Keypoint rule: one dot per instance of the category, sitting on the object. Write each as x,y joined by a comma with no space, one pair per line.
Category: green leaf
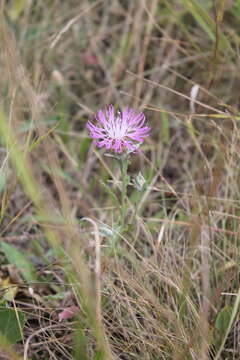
11,324
106,231
139,181
223,319
221,325
58,296
15,257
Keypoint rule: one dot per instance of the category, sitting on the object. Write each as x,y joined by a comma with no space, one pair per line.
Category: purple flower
119,131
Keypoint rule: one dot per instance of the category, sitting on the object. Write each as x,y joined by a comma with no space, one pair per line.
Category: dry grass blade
139,265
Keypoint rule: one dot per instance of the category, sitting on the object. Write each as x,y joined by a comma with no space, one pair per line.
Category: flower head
118,131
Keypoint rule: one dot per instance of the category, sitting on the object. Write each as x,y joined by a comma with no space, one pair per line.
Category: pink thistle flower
119,131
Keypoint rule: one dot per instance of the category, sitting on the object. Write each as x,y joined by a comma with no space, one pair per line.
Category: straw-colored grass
167,287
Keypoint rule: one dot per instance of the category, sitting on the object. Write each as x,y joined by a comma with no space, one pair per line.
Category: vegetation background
168,287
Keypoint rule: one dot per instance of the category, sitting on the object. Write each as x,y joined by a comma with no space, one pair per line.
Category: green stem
125,181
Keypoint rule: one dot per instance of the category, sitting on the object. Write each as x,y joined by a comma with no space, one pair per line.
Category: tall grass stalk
22,165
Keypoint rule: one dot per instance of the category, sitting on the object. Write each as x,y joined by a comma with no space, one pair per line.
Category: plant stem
124,160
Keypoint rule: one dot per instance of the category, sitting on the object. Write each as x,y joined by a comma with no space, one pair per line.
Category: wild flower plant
121,132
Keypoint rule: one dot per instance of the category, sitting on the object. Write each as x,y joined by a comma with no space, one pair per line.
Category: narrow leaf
15,257
11,324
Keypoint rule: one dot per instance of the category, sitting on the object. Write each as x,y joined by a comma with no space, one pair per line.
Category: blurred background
171,289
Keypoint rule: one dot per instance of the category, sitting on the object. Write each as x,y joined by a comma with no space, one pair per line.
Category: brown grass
169,288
